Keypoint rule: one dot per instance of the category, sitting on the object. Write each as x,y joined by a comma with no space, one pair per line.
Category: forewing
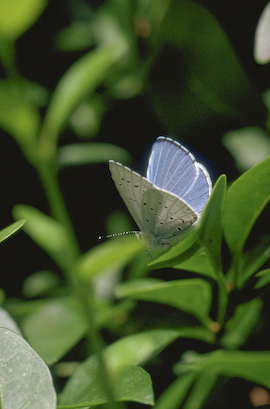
171,167
131,187
164,215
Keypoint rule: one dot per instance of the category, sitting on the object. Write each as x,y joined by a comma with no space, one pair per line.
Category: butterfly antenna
137,233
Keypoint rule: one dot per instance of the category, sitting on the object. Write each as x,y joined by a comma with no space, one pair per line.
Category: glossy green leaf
80,80
17,16
49,234
239,327
112,254
10,230
245,200
210,229
25,379
86,153
252,366
191,295
120,359
54,329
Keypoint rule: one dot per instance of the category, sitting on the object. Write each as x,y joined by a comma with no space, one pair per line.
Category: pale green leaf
40,283
80,80
249,146
17,16
7,321
112,254
10,230
48,233
54,329
25,380
262,37
86,153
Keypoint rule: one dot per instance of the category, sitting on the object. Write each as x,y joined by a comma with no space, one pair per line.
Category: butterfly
170,198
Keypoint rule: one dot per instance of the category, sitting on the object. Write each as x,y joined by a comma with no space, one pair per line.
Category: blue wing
173,168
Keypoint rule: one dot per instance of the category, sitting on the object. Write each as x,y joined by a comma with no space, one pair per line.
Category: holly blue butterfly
172,195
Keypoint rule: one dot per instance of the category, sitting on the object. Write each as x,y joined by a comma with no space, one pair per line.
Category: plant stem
83,291
86,294
48,177
222,301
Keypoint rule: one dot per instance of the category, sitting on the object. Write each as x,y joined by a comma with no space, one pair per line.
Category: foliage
103,319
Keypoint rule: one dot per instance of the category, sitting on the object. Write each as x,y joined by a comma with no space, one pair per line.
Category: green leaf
264,278
191,295
130,384
25,379
181,252
10,230
40,283
253,260
238,328
54,329
200,391
80,80
120,359
49,234
176,393
19,115
213,84
210,229
249,146
252,366
134,384
86,153
199,263
17,16
113,254
246,198
202,333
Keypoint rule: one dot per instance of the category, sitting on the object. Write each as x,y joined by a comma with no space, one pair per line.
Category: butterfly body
166,201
